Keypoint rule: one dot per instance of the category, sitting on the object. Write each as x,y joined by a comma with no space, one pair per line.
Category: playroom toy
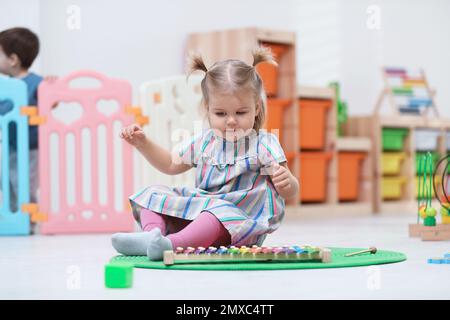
309,258
371,250
407,91
245,254
439,182
119,276
439,260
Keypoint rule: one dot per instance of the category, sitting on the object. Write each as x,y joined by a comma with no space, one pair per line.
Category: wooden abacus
245,254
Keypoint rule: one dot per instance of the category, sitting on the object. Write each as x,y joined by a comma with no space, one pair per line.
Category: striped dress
232,182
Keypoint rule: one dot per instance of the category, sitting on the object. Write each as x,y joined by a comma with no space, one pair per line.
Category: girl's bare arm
161,159
158,157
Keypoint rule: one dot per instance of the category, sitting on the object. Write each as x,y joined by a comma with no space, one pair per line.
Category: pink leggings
204,231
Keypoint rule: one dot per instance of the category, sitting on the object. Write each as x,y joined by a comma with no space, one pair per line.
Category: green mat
338,261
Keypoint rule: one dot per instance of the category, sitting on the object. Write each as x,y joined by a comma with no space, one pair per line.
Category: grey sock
158,244
133,244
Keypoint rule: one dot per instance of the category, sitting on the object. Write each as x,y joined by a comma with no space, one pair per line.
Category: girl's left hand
280,177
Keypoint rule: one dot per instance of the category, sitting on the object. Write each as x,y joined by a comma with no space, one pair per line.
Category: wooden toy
371,250
439,182
245,254
407,91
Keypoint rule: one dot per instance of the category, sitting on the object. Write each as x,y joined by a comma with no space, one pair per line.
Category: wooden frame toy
407,91
245,254
432,231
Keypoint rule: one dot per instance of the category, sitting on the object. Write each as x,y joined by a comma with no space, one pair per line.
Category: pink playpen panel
96,212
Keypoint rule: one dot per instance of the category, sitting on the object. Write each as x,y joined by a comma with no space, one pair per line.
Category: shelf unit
238,44
334,145
371,127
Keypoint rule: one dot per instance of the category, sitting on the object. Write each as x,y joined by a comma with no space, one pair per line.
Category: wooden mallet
372,250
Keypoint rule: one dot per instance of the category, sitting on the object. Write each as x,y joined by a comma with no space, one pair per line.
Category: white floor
71,267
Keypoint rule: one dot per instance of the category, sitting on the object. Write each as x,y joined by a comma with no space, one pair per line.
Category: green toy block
119,275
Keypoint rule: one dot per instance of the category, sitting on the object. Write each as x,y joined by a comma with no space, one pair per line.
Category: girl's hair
232,76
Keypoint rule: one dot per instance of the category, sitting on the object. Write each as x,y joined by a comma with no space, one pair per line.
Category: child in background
242,179
18,49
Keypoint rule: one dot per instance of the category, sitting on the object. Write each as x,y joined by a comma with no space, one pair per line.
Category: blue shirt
32,80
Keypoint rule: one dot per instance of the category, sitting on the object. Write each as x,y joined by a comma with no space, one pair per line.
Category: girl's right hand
133,134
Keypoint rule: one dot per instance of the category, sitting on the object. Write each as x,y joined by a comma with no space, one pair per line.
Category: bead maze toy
245,254
439,182
408,91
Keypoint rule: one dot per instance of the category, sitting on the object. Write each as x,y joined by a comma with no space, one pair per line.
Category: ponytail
195,62
263,54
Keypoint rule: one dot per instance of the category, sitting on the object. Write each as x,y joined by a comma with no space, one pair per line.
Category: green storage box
393,138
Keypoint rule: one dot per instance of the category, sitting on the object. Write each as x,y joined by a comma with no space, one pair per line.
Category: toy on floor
444,260
371,250
439,182
245,254
119,276
118,272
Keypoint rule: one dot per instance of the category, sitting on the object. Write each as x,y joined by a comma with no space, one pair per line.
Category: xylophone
246,254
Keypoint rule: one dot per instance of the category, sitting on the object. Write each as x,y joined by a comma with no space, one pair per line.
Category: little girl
241,174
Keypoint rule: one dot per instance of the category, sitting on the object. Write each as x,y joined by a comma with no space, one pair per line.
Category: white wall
413,33
142,40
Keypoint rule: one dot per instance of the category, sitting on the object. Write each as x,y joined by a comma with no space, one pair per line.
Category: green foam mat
338,261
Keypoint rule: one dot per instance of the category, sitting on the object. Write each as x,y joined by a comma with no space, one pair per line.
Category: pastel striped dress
232,182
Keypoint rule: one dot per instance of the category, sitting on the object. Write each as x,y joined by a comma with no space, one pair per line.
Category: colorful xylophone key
246,254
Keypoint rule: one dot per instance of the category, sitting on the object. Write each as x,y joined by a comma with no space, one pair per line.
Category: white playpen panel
173,106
